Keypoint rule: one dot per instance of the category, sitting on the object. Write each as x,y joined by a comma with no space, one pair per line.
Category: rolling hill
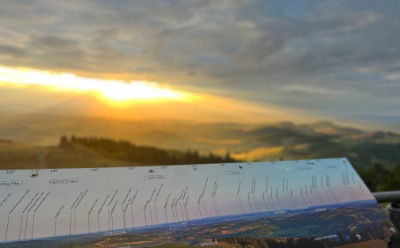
82,152
250,142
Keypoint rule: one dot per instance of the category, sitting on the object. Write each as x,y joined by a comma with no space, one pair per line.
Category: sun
137,90
111,90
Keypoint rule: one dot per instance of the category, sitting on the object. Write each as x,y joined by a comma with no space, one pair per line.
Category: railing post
393,207
394,213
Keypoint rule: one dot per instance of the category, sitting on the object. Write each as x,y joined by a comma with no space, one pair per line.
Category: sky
336,60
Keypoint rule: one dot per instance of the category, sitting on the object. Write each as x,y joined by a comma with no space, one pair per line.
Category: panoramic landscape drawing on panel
312,203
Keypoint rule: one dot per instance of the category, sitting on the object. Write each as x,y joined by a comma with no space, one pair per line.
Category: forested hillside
141,155
80,152
378,177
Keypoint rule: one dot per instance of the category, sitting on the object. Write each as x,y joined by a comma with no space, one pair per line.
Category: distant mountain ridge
250,142
325,139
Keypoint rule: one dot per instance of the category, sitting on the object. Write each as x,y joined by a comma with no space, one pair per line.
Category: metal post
393,198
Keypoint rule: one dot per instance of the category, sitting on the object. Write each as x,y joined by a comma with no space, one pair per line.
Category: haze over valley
33,134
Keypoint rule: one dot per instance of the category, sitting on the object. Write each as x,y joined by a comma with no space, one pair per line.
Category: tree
376,176
63,141
393,181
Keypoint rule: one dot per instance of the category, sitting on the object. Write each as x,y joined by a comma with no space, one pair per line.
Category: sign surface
322,202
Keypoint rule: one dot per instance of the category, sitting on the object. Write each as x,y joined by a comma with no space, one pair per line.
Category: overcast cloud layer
334,58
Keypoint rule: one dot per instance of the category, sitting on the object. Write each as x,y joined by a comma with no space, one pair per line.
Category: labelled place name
5,200
63,180
59,211
154,177
334,166
10,183
232,172
18,202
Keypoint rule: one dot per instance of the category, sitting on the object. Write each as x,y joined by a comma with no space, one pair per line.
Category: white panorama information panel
51,203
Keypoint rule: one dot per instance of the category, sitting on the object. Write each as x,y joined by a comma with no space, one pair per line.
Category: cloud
249,49
223,40
311,90
11,51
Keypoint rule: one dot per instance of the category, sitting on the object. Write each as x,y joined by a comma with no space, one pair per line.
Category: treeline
380,177
141,155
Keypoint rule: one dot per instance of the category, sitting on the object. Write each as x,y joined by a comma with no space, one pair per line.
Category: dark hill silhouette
141,155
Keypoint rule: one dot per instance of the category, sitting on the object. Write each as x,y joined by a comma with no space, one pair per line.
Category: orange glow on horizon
117,99
114,91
